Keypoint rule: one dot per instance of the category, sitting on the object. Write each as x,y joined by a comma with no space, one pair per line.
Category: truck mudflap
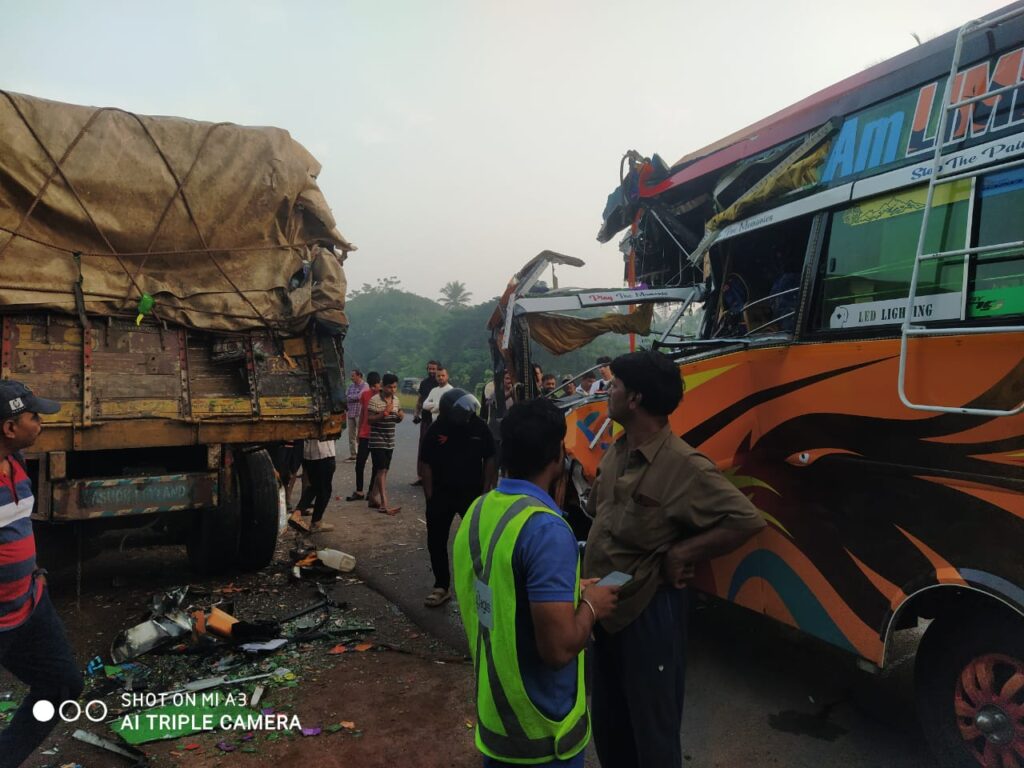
90,499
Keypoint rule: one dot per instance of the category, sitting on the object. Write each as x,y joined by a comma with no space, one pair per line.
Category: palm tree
454,295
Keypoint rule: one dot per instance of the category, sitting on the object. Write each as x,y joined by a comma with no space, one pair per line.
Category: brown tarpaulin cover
562,333
212,220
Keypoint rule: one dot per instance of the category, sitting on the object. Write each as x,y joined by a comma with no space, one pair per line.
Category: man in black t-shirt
458,465
424,418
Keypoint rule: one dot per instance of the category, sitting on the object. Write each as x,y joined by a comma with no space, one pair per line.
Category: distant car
410,385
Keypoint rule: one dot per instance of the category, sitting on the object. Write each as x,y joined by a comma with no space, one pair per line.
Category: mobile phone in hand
615,579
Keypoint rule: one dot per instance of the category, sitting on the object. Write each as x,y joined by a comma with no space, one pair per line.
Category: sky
459,138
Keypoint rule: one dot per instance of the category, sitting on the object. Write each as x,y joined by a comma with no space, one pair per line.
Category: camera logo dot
43,711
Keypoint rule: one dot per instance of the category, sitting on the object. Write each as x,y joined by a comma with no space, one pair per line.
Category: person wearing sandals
457,466
318,464
384,412
363,452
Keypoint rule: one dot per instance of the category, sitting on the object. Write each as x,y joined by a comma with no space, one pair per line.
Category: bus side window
997,278
869,257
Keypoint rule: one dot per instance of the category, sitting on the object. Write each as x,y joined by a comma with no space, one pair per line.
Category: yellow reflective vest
509,727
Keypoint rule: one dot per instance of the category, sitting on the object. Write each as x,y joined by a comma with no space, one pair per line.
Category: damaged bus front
857,367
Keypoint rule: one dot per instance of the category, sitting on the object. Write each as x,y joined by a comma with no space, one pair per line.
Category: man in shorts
383,413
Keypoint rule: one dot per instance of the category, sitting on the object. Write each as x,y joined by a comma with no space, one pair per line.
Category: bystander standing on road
432,404
519,592
659,508
384,412
458,466
604,370
33,644
363,452
419,416
287,459
353,397
318,465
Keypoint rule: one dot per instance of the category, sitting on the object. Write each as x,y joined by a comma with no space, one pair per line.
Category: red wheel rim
989,705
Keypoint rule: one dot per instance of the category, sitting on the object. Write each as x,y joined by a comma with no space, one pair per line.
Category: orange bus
851,272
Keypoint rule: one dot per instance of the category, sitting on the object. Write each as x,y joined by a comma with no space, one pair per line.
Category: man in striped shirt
384,412
33,645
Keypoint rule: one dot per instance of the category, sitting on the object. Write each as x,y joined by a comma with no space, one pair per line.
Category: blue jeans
638,681
38,654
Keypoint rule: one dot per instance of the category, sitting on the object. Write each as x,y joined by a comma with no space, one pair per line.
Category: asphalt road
758,693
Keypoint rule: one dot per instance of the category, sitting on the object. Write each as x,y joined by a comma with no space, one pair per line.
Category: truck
849,336
178,287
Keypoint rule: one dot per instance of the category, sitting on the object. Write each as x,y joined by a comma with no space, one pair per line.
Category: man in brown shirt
660,507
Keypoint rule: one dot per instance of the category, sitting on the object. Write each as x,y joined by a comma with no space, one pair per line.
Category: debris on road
137,757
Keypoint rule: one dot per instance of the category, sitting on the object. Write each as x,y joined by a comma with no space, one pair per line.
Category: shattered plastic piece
339,648
118,749
257,694
95,665
248,736
149,635
348,724
219,622
272,736
364,647
311,731
191,746
225,746
215,682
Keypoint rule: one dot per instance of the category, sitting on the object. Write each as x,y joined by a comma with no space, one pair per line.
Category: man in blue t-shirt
551,630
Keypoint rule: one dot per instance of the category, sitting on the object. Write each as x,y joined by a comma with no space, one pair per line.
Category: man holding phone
659,507
517,580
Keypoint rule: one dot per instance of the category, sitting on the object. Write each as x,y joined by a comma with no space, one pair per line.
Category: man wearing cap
458,466
33,645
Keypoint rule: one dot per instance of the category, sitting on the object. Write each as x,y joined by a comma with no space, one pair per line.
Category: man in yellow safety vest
517,581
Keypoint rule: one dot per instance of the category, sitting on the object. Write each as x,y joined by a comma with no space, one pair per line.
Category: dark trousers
361,456
320,473
38,654
638,681
426,419
442,508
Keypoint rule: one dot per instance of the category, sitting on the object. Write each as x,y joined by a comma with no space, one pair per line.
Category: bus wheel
969,677
259,525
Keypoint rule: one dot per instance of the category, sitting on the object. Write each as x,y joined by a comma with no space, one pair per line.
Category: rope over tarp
223,225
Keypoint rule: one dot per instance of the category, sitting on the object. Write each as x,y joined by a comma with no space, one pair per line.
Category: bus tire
212,543
259,519
969,681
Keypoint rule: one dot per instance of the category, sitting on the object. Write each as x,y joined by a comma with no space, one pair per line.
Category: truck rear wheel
259,513
212,543
969,676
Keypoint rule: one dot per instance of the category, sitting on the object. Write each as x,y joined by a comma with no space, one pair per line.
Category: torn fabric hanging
563,333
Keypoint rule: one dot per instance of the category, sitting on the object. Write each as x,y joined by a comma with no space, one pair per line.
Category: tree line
391,329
